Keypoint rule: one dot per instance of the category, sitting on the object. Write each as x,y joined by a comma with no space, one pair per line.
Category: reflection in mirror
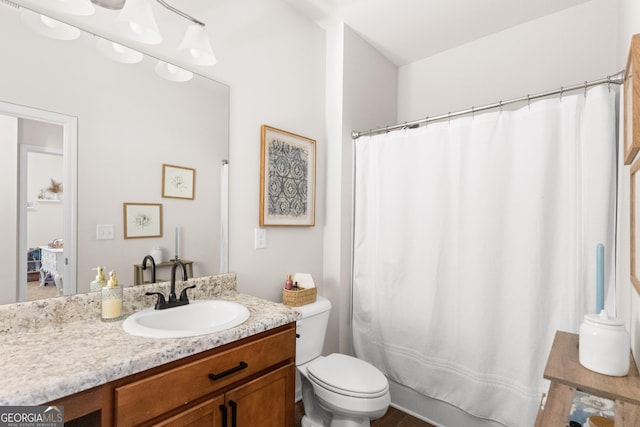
24,131
42,171
129,123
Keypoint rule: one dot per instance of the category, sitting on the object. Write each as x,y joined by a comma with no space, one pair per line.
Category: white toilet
337,390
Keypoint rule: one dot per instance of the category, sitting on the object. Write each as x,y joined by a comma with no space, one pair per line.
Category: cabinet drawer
51,260
47,256
150,397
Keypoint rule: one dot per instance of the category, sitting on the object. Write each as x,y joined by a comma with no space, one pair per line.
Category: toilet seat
348,376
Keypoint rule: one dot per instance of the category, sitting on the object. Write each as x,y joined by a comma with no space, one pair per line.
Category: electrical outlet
104,232
260,238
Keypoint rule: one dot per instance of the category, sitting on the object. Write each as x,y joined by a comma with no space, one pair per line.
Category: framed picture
632,102
287,178
178,182
142,220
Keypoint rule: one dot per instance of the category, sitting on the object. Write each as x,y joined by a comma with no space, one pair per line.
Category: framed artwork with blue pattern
287,178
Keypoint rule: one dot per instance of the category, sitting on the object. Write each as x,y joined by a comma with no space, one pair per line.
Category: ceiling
409,30
403,30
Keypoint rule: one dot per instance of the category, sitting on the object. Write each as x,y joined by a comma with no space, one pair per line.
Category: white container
156,253
604,345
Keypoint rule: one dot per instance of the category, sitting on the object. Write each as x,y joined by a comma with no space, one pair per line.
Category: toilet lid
348,376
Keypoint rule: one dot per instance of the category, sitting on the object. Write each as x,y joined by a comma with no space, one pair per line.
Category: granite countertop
63,348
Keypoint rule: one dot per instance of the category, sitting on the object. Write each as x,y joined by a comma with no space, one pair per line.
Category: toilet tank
311,328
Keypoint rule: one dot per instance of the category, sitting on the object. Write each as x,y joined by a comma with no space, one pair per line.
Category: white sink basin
197,318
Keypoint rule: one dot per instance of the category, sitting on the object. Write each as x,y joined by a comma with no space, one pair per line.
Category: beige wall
273,59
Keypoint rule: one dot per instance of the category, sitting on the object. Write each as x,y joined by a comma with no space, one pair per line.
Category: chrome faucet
153,267
174,301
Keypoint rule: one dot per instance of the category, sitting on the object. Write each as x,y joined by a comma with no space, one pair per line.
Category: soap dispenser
100,282
112,299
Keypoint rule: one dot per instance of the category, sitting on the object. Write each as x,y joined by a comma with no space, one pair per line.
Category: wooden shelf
563,366
567,375
138,271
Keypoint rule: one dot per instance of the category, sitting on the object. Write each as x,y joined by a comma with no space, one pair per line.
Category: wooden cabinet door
206,414
267,401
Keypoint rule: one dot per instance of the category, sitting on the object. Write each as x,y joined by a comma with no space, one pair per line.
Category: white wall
561,49
361,94
44,219
273,59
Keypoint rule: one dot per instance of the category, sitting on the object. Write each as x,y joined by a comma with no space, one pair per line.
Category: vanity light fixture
195,46
138,22
48,27
140,25
172,72
118,53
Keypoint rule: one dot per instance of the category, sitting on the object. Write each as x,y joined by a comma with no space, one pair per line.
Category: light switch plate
260,238
104,232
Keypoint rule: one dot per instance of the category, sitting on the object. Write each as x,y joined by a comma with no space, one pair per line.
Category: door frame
69,201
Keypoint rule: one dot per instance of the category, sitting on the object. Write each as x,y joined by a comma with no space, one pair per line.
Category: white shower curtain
475,240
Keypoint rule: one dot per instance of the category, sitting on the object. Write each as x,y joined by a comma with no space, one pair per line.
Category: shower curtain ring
500,105
609,83
561,92
585,88
528,101
473,113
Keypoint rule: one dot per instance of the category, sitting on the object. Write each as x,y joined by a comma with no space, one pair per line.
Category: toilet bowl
337,390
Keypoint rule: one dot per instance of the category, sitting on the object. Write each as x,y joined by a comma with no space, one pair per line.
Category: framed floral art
178,182
142,220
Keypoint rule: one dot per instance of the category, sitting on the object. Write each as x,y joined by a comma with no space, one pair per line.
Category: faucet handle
183,294
161,302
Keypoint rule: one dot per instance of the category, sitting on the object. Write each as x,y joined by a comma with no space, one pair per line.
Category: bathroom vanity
567,375
240,381
243,376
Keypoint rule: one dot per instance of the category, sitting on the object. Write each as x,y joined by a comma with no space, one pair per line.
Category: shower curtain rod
617,79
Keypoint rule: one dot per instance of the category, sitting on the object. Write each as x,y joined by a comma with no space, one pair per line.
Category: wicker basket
298,297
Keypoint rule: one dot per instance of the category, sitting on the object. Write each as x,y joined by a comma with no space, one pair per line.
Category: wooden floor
396,418
35,291
393,418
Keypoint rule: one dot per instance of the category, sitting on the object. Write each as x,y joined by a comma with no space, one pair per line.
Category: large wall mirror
126,122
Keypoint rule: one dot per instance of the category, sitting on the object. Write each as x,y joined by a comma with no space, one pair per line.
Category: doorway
14,289
44,197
